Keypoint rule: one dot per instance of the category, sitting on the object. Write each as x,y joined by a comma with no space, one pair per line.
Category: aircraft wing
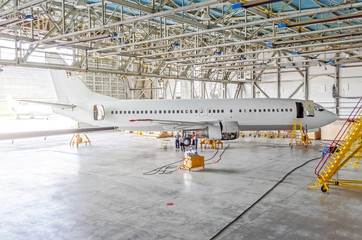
57,105
179,125
30,134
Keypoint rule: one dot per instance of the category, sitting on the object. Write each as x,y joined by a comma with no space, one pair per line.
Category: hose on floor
263,196
171,167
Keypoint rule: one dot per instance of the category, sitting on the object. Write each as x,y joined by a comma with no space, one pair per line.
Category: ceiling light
29,18
81,4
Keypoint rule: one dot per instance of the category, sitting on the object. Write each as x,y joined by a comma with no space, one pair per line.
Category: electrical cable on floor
219,156
263,196
170,168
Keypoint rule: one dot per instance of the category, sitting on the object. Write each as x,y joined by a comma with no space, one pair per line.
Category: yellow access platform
346,146
298,136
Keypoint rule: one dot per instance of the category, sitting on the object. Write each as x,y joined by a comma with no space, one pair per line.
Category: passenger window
132,112
190,111
254,110
146,112
169,111
129,112
239,110
273,110
209,111
186,111
201,110
282,110
291,110
277,109
245,110
116,112
155,112
259,110
182,111
159,111
264,110
214,111
141,112
164,111
231,110
173,111
138,112
111,112
178,111
218,111
268,110
222,110
195,111
250,110
286,109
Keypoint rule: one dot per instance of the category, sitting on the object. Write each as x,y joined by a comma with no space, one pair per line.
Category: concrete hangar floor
50,190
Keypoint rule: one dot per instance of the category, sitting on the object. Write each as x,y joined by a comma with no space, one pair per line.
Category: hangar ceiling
211,41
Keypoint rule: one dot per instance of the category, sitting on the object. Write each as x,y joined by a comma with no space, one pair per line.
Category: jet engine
224,130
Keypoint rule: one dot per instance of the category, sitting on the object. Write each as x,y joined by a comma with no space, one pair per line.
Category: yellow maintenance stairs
297,136
354,161
346,146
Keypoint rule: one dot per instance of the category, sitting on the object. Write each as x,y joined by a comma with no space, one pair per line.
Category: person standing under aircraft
182,143
177,140
195,139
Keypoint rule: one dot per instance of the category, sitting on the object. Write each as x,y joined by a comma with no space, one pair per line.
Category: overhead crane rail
344,147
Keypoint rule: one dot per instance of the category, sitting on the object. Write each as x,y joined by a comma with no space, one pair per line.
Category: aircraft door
98,112
300,110
309,108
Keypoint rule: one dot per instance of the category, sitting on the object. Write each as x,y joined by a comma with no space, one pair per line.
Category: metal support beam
336,88
137,19
261,90
22,7
306,82
240,25
296,90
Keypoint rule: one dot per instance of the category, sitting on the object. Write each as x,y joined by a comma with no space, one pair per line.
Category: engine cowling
225,130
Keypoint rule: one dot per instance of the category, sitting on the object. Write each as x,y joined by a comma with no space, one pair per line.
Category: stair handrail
338,137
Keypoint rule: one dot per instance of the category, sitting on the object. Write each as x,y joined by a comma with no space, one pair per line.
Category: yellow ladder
354,161
341,151
298,137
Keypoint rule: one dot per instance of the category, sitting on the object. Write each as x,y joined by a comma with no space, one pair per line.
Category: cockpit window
318,108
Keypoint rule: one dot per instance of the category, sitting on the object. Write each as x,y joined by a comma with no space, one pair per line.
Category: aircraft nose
331,117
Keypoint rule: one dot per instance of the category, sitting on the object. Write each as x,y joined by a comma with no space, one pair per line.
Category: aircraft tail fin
68,89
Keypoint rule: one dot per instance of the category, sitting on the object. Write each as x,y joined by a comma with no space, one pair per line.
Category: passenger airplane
219,119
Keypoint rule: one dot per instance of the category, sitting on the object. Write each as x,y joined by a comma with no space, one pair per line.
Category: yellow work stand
298,137
78,139
214,144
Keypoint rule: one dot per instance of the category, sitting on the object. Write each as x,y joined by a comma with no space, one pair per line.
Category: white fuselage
166,115
251,114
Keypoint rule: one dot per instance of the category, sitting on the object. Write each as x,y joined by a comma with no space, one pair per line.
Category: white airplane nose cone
331,117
